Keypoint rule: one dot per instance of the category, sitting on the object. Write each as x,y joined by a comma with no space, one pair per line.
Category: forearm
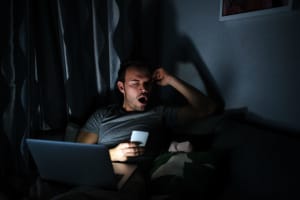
196,99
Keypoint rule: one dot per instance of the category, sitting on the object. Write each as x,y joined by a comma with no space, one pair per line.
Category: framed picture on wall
235,9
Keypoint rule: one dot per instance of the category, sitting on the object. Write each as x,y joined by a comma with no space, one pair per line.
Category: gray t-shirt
114,125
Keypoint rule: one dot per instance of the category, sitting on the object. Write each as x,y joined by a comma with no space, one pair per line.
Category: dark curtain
14,62
71,61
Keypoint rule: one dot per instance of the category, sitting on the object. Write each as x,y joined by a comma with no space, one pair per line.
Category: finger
135,143
141,151
127,145
131,152
132,145
123,145
156,74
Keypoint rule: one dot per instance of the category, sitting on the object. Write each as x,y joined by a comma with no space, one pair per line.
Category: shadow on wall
179,48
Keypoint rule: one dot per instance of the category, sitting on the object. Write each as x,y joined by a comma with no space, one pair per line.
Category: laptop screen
75,163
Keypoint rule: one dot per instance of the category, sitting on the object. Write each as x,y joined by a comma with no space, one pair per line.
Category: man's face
135,89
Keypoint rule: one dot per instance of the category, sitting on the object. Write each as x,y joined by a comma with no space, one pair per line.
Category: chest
119,128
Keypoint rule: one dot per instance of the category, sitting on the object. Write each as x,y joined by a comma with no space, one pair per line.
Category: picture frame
236,9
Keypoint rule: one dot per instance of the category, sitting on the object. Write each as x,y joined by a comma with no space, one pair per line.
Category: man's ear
120,85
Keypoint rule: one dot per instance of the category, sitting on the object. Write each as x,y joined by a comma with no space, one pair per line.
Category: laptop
78,164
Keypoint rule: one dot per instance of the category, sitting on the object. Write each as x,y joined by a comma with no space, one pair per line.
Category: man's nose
144,88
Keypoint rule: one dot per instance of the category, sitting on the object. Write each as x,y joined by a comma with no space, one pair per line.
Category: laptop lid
78,164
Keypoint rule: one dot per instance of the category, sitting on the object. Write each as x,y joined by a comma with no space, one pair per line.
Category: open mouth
143,100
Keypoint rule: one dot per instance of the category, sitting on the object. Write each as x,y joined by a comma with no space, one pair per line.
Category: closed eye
133,83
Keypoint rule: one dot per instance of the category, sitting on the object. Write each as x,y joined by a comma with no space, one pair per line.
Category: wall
255,61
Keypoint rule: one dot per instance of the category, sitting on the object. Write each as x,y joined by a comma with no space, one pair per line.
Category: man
113,125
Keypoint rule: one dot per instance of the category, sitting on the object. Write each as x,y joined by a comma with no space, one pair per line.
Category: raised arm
199,105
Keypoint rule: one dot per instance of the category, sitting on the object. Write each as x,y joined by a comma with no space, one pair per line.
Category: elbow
89,138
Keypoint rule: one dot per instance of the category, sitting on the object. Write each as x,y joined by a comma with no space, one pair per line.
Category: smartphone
139,136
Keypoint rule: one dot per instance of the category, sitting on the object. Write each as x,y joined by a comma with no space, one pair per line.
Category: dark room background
59,59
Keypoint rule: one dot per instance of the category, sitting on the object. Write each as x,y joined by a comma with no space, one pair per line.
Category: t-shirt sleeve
93,123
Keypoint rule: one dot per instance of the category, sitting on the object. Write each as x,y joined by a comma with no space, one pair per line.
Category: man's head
134,82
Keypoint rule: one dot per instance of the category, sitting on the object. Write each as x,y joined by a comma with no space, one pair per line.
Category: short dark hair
130,63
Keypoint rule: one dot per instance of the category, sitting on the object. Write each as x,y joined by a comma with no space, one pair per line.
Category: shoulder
163,109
